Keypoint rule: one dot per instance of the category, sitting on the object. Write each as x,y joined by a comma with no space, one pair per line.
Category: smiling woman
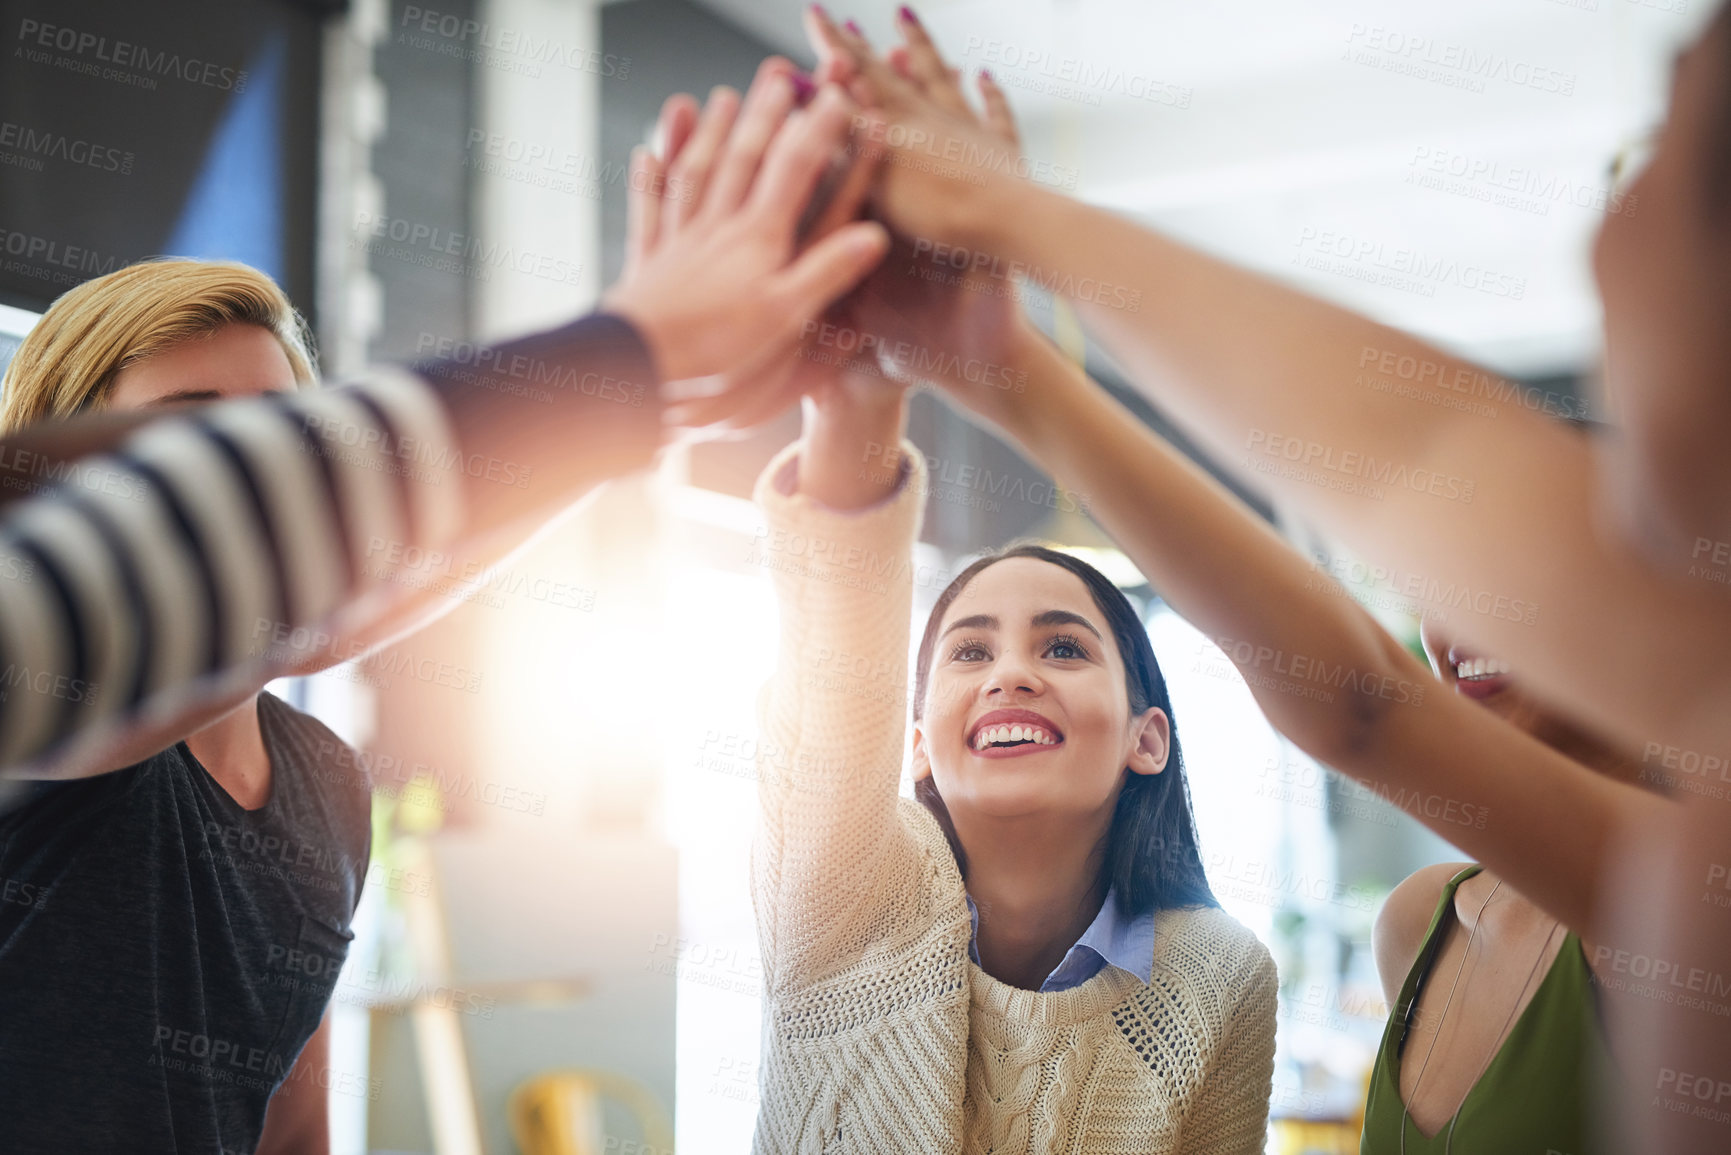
1035,964
1150,859
1031,961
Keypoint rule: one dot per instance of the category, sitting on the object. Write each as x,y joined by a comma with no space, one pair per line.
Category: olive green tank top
1537,1094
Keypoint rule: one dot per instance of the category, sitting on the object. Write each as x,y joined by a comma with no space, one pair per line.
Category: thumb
828,269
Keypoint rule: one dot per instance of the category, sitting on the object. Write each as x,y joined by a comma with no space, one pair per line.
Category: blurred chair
559,1113
536,954
1316,1137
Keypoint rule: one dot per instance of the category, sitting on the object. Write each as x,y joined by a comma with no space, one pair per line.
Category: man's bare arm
298,1120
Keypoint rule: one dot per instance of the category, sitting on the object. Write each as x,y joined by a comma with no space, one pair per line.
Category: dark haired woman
1035,963
1495,1040
1032,961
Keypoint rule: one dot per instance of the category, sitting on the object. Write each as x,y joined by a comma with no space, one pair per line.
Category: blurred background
558,909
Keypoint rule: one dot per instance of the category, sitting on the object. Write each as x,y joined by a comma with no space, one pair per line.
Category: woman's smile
1011,733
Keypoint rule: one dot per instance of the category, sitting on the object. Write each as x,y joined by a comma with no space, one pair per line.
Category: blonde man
169,897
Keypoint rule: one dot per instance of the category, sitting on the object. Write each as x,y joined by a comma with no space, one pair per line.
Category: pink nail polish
908,15
803,88
986,73
821,11
854,28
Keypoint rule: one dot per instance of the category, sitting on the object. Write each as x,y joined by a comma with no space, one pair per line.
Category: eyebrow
187,395
1039,620
1064,618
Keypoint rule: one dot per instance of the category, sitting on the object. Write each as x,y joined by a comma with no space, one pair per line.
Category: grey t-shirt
164,953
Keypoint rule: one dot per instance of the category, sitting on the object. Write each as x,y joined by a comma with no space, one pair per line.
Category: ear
922,764
1153,733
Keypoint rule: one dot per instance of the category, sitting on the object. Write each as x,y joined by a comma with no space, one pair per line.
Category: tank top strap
1434,935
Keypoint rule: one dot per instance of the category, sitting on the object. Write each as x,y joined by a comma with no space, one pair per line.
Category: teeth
1480,668
992,735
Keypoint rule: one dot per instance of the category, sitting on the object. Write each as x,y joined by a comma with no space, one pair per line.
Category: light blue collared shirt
1112,938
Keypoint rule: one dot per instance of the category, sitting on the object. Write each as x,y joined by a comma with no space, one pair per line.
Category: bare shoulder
1404,918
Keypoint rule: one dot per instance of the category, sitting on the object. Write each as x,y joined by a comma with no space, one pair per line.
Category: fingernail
803,88
854,28
986,74
821,11
908,15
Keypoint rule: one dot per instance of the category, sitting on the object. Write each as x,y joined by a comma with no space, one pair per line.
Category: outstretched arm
1324,672
1241,361
216,549
1283,388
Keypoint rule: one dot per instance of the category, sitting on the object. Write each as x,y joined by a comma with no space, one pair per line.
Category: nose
1011,674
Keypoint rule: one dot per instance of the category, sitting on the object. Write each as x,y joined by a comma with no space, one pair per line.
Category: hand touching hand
943,167
937,311
714,278
764,387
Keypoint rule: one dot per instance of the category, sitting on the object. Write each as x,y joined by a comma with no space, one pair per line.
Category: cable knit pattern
880,1035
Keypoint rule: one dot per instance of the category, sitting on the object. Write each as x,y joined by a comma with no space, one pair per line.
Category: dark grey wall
419,161
673,47
100,144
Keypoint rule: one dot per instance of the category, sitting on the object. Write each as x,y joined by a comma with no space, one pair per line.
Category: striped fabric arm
207,545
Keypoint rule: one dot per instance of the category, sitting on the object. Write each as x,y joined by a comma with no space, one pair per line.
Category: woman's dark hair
1151,855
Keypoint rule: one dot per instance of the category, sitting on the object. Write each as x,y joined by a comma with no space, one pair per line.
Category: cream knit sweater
880,1034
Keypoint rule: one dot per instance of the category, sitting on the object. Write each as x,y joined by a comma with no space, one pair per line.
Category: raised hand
714,276
664,181
935,310
943,166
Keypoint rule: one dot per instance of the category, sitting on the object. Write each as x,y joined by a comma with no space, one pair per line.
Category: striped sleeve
208,545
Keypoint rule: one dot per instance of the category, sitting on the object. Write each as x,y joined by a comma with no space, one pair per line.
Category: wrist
986,215
1056,390
1049,391
849,454
664,353
843,424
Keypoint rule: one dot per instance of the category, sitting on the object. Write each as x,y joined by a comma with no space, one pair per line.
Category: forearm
543,419
832,720
179,589
1214,561
841,459
1324,672
1233,355
1270,381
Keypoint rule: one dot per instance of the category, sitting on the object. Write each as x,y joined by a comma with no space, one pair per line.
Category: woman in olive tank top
1493,1043
1532,1094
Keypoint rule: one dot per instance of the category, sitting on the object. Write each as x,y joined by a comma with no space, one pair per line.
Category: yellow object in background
1316,1137
559,1113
